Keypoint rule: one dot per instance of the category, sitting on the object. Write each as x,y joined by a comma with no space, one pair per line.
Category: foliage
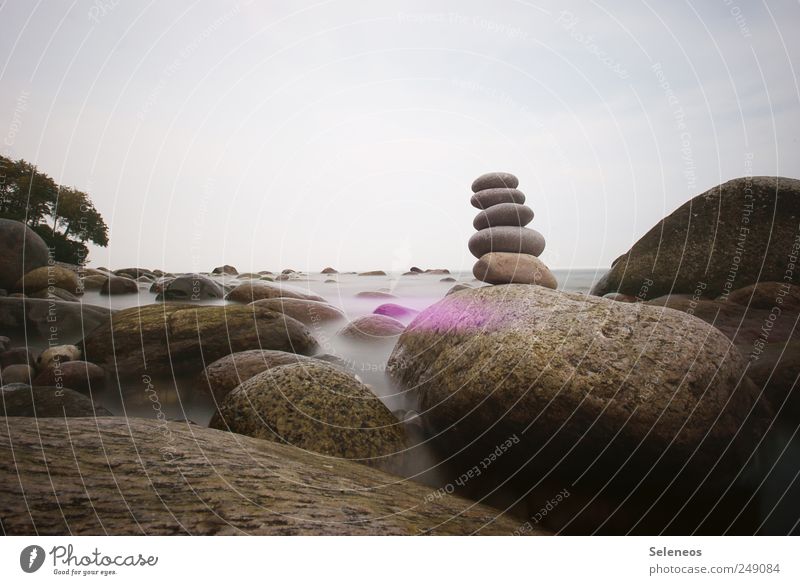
63,216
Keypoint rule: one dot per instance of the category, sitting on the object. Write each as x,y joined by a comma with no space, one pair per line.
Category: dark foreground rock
178,338
21,250
762,321
35,319
46,402
192,480
611,393
744,231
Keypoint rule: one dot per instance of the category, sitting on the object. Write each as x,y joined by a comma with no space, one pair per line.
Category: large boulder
180,338
226,373
590,387
45,402
45,277
189,287
50,320
317,407
21,250
739,233
159,478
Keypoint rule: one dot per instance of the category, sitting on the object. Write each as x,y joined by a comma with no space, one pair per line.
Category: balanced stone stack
507,251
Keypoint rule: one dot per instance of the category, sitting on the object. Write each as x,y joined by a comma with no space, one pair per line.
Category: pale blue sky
299,134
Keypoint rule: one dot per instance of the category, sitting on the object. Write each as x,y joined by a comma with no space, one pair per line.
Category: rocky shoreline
653,405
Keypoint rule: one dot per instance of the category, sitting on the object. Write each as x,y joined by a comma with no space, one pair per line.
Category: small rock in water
375,294
93,282
119,285
448,279
494,180
415,269
393,310
372,273
329,270
226,269
457,288
47,276
306,311
191,287
255,290
372,328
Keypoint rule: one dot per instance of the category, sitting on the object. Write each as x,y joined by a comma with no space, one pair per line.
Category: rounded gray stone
494,180
489,197
506,239
503,214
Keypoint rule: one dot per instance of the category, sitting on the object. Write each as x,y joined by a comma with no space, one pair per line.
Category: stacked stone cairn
507,251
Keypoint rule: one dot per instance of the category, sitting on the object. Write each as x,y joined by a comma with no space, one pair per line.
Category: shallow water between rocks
176,397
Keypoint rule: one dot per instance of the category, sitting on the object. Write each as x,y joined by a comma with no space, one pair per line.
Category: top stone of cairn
494,181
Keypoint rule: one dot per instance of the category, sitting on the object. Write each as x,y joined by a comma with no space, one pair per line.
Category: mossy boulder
45,277
180,338
315,406
734,235
226,373
577,373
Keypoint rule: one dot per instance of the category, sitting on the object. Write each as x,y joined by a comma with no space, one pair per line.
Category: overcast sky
300,134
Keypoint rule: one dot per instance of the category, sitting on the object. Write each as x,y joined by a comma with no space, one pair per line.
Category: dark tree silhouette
63,216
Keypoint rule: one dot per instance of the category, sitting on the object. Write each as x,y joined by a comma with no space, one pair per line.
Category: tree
63,216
